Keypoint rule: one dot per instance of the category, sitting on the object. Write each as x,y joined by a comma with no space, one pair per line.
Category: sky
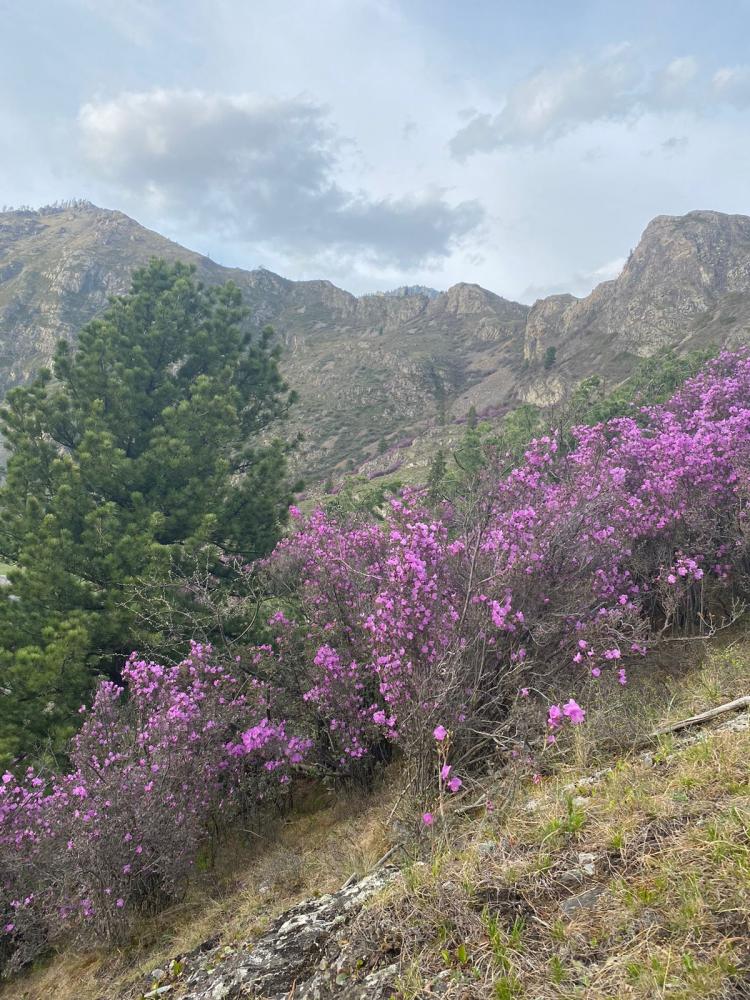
521,145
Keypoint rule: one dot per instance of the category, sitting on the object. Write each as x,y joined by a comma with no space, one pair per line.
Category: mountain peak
673,291
375,368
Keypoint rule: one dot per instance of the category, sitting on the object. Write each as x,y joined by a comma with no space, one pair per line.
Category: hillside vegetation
621,873
459,673
456,638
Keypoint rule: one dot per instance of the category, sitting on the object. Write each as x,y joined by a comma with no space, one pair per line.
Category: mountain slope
365,368
375,371
686,283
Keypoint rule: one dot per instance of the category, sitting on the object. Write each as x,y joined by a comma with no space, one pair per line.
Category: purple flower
574,712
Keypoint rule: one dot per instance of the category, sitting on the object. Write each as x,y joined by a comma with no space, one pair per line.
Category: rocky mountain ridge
371,370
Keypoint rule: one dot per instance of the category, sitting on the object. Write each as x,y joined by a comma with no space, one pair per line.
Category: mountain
367,369
376,371
403,291
686,284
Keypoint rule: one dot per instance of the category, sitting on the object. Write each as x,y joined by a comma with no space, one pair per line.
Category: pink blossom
574,712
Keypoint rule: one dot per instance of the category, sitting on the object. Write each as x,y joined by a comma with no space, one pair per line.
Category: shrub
576,560
397,632
156,769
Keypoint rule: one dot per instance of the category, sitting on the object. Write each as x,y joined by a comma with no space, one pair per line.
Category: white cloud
579,284
732,85
611,87
264,171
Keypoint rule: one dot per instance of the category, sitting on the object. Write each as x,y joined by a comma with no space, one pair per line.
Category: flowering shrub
154,770
576,561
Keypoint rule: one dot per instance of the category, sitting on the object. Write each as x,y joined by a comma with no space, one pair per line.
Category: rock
588,861
309,952
687,279
582,901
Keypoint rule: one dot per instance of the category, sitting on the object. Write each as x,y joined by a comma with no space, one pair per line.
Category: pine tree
437,474
140,445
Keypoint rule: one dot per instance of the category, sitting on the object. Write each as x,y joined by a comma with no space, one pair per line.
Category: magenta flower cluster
404,631
155,767
576,560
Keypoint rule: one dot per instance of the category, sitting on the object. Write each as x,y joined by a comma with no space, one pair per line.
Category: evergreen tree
139,446
437,474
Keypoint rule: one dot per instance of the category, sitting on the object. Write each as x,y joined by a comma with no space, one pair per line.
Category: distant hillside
379,369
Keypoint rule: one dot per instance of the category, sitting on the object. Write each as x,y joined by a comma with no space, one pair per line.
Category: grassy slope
633,884
657,842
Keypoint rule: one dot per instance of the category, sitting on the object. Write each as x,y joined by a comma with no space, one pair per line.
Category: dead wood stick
694,720
378,864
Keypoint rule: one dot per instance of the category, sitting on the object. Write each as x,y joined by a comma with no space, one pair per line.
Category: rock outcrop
688,280
311,952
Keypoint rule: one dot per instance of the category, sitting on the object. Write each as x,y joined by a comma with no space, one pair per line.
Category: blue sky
524,146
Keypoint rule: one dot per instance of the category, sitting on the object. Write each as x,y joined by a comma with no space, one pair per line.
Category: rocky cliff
686,283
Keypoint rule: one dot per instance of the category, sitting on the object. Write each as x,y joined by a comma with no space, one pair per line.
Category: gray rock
306,952
582,901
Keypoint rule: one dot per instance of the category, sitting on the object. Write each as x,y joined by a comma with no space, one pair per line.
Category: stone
582,901
306,953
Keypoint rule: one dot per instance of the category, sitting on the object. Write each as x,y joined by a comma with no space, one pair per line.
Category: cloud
613,86
263,171
579,284
675,144
731,84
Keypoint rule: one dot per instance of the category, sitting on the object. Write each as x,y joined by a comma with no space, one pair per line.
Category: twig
694,720
378,864
388,854
474,805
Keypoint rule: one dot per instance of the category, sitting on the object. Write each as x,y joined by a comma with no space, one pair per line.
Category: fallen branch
353,878
694,720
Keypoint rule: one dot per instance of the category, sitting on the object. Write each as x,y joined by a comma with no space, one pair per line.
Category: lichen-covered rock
311,952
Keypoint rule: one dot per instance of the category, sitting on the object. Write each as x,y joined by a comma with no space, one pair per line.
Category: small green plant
508,988
568,825
557,971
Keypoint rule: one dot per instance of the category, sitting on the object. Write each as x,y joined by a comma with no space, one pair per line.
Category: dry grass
636,885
